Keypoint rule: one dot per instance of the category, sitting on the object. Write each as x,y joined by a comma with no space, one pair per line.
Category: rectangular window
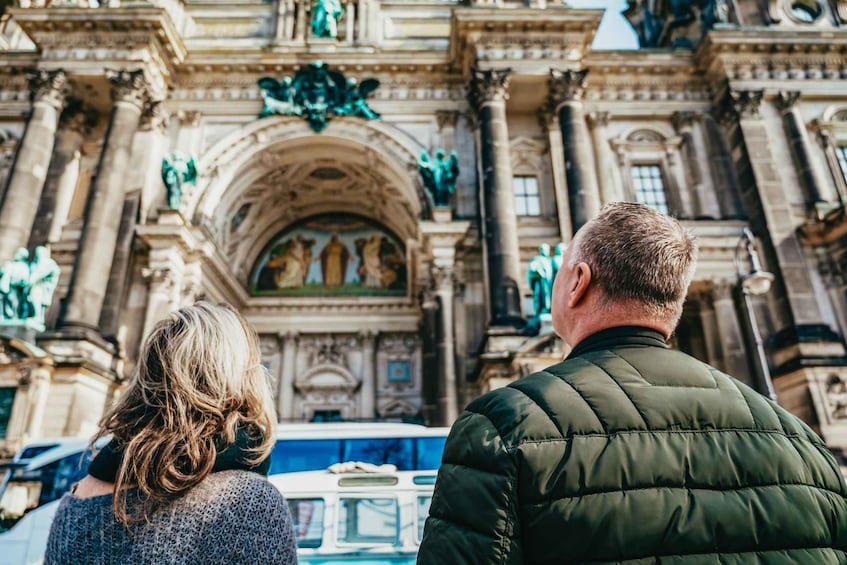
367,521
7,398
649,187
527,202
841,153
308,516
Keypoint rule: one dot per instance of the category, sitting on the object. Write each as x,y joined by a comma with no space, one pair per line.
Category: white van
358,514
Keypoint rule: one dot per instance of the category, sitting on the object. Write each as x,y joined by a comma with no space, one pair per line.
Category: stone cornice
526,39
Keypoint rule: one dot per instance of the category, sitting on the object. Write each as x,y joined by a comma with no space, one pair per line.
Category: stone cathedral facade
312,219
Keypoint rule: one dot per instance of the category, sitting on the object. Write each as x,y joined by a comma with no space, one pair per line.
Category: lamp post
754,282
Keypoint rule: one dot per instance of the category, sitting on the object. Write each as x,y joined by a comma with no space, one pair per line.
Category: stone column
285,394
549,122
608,173
729,331
709,325
448,405
488,94
105,202
26,181
801,148
565,94
696,163
367,393
63,175
39,390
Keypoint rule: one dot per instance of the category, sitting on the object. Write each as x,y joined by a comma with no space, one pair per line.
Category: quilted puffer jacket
630,452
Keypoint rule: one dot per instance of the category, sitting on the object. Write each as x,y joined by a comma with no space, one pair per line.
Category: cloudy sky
615,32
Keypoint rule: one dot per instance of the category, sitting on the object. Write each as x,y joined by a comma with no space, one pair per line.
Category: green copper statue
540,279
439,175
176,171
558,257
26,288
325,16
317,94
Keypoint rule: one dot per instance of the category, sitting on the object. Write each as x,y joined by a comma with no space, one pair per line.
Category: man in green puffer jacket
628,451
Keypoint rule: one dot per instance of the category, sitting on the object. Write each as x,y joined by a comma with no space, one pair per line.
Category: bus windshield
407,453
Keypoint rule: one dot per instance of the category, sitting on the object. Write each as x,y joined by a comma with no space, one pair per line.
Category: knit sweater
230,517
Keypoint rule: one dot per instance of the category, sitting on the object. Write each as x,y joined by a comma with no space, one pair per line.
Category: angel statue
439,175
279,97
325,16
355,95
176,171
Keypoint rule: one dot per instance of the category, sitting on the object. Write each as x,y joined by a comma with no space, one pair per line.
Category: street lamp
754,282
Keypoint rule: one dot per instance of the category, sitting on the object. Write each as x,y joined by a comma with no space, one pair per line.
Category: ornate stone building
309,214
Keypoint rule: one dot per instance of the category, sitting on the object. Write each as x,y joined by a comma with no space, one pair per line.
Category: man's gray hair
638,256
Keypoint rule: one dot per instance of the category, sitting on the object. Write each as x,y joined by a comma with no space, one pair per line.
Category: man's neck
614,318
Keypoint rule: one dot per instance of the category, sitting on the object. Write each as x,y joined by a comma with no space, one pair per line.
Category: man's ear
581,283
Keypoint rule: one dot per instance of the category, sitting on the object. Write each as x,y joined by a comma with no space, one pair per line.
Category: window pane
379,451
649,187
531,185
527,201
520,205
291,455
423,512
841,152
7,398
367,520
308,516
430,450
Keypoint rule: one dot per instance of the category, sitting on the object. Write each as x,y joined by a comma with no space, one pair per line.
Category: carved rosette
130,87
786,99
565,86
488,86
78,117
50,87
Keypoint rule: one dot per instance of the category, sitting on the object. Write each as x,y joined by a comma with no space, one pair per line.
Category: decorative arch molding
398,408
327,378
837,113
221,166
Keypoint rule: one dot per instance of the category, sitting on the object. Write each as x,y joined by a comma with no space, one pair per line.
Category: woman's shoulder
239,487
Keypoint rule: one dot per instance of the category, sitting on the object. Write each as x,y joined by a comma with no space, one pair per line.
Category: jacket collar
617,337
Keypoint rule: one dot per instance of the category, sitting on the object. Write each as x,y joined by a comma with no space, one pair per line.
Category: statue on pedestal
176,171
439,175
540,279
325,16
14,287
26,288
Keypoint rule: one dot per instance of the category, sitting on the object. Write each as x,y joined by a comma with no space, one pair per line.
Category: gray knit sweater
230,517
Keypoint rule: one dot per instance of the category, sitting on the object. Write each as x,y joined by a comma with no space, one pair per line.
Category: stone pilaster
549,122
732,343
488,94
772,217
76,123
608,173
26,181
285,394
105,201
696,162
801,149
448,405
565,98
39,390
447,120
367,392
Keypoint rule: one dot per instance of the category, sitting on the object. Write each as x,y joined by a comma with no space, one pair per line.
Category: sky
615,32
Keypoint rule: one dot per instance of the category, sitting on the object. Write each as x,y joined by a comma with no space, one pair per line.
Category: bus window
292,455
423,512
429,452
367,521
308,517
379,451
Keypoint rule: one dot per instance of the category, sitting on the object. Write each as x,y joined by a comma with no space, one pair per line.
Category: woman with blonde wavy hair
181,480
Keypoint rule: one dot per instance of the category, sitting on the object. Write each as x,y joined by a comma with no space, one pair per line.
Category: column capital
565,86
597,119
490,85
129,86
446,118
154,116
78,117
739,104
786,99
683,120
290,336
189,118
443,277
48,86
722,289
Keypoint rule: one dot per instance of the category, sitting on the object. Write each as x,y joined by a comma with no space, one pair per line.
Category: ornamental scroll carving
130,87
565,86
48,86
490,85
